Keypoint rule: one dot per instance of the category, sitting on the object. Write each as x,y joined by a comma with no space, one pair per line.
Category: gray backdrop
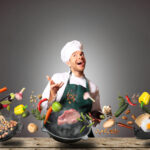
115,35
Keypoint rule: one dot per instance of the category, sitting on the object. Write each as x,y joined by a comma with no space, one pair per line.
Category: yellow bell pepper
144,98
18,110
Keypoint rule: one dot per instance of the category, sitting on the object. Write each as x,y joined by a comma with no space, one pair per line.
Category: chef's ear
68,63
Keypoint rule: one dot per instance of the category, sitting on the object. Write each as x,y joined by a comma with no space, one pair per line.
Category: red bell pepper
39,104
129,101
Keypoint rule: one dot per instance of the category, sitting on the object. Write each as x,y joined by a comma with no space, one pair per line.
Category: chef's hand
54,87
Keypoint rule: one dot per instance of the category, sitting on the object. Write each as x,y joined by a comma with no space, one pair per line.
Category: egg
146,125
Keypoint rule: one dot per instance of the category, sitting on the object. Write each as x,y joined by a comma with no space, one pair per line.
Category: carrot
48,114
3,89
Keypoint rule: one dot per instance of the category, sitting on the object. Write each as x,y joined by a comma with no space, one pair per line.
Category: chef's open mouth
80,63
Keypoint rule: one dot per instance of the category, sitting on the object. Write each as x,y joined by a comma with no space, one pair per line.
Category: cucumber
121,110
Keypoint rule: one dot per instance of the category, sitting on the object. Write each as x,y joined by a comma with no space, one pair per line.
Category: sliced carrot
3,89
48,114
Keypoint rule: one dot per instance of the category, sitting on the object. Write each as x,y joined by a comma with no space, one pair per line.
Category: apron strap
87,83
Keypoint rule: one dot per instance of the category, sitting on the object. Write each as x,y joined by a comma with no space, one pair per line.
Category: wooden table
20,143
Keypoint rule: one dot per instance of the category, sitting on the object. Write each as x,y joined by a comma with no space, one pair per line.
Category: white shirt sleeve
57,78
94,92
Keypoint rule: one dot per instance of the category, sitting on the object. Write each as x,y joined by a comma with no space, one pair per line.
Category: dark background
115,35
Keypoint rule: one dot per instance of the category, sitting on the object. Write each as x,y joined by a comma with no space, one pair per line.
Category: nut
124,118
127,111
133,117
130,122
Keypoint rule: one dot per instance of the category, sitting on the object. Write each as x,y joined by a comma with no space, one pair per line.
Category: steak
68,117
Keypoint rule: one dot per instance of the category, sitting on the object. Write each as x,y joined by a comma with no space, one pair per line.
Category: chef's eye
74,55
82,54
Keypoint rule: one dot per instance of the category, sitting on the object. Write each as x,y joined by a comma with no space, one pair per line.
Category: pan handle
43,129
85,137
20,127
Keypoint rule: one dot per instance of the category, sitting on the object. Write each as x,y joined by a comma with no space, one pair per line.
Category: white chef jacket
63,77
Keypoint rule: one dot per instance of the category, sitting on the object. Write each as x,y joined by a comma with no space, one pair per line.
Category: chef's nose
80,56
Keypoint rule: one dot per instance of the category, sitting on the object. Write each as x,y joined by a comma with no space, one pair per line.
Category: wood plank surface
96,143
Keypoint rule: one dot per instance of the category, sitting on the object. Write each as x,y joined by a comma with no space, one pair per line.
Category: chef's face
77,62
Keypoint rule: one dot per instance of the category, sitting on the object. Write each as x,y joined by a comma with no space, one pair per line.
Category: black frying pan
140,134
15,130
65,133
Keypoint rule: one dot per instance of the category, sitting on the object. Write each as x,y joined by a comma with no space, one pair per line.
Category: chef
69,88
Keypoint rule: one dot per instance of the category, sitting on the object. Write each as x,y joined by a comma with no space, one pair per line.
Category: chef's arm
96,105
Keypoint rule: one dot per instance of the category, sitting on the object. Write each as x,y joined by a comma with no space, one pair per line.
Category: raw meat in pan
68,117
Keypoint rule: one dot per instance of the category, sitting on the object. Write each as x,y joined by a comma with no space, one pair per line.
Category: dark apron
73,98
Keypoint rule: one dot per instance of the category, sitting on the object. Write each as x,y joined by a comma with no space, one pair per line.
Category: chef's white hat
69,49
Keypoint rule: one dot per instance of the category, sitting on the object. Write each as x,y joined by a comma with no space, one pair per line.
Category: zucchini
121,110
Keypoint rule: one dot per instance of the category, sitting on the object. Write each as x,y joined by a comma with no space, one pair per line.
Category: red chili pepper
39,104
4,106
129,101
124,125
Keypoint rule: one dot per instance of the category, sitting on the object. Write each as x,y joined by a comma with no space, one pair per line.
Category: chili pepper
3,89
124,125
18,110
39,104
129,101
144,99
48,114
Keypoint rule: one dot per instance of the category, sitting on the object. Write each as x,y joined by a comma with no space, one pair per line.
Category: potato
32,128
109,123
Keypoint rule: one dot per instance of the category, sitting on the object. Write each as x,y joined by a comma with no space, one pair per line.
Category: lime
56,106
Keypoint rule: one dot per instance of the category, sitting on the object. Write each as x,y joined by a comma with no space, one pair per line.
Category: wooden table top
91,143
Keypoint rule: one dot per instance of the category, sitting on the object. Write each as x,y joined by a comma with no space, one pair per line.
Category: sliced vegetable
39,104
82,129
48,114
3,89
82,116
121,110
129,101
5,102
90,124
79,119
124,125
88,117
